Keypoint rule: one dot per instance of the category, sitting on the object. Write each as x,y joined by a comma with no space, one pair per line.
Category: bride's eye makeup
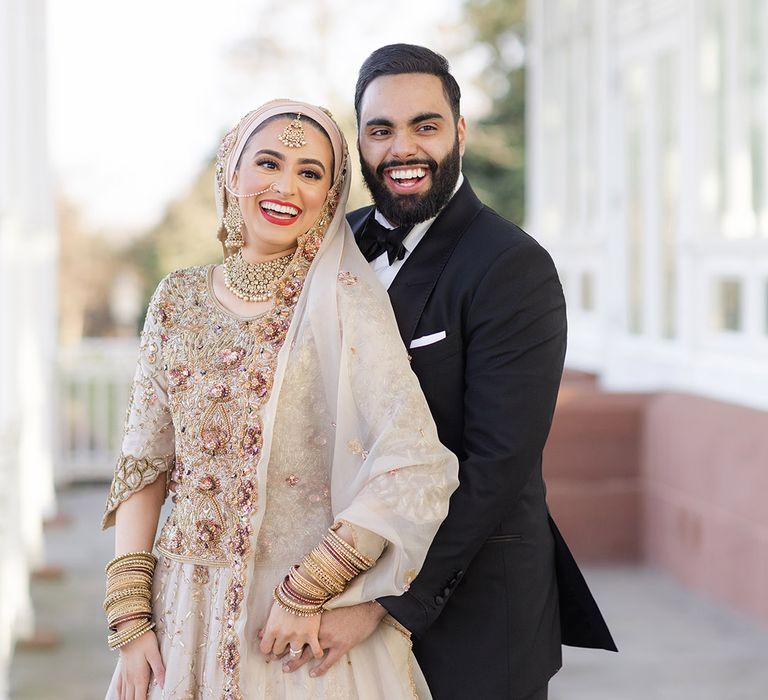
268,163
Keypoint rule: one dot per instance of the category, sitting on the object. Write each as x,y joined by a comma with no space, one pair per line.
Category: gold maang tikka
293,135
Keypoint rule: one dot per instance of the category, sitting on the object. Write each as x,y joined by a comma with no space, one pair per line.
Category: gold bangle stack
129,596
331,565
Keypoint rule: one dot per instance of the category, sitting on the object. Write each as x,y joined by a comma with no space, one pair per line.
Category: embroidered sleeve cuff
131,475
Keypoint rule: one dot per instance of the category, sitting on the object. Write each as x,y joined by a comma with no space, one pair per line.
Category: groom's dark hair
396,59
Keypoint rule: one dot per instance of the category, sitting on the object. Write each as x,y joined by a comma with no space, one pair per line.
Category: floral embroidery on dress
347,278
178,379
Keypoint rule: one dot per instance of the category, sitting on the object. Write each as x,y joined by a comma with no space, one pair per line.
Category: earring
233,223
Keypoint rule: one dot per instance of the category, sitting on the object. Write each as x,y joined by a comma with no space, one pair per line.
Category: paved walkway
675,645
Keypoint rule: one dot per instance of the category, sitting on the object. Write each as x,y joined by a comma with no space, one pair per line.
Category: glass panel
587,300
711,76
755,23
728,301
669,190
635,85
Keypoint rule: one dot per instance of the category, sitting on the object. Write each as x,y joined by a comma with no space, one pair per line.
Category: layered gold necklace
254,281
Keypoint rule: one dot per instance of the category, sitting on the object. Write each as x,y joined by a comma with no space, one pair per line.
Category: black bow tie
377,239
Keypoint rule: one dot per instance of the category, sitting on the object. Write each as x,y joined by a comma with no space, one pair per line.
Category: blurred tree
185,237
87,265
495,157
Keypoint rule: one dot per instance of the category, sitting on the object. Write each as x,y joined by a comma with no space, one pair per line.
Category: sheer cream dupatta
389,473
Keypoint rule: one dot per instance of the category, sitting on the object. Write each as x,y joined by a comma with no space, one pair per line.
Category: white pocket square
427,339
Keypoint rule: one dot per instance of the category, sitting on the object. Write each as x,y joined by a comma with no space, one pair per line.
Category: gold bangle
125,593
354,562
133,601
116,613
146,569
304,584
113,603
128,586
287,599
115,578
366,561
139,556
120,639
128,618
321,577
329,566
332,570
338,562
289,607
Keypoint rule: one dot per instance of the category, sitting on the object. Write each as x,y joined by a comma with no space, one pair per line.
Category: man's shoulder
356,217
495,235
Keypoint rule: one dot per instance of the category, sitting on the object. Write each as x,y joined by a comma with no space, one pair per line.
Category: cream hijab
389,473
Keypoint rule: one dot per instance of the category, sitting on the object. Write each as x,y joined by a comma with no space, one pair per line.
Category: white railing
94,380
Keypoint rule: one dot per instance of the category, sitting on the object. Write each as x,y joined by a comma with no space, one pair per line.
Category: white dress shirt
386,272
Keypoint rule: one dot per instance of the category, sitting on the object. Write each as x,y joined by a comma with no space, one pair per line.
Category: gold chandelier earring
233,224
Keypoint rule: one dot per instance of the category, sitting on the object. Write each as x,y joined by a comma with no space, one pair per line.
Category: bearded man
479,305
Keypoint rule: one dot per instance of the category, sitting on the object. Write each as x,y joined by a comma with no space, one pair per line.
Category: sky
141,93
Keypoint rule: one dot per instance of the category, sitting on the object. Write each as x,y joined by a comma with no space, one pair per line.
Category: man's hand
340,630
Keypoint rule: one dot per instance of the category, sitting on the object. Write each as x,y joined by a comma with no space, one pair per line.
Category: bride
276,390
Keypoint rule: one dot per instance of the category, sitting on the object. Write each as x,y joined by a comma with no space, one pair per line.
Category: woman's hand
285,631
138,660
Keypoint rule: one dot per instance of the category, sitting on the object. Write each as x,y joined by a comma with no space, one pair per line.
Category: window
668,180
587,295
728,305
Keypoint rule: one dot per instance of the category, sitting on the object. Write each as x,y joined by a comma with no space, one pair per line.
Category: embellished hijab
233,145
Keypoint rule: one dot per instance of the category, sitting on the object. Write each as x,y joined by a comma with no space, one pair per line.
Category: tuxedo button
439,600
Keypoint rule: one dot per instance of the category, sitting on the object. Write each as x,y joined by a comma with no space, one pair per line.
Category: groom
480,307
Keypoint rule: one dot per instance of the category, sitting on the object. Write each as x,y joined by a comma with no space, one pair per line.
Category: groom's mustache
424,163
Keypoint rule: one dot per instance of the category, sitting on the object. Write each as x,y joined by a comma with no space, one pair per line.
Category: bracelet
128,618
332,564
123,594
300,610
139,556
120,639
321,577
327,565
129,596
366,562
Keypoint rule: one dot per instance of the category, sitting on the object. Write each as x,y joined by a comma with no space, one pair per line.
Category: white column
27,315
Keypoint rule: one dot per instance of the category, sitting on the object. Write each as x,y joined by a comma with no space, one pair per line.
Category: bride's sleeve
147,448
390,469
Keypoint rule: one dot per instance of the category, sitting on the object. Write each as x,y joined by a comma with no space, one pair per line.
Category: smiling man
479,305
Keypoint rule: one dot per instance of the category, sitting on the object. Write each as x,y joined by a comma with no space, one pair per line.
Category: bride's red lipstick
276,217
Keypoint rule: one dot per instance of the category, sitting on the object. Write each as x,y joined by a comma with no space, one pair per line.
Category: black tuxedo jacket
499,591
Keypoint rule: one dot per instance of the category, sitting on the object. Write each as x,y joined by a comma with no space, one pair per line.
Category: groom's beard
410,209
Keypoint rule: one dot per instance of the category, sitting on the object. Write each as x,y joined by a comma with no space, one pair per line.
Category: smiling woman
277,188
264,385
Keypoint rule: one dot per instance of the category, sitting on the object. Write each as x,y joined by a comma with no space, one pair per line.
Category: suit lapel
418,276
358,219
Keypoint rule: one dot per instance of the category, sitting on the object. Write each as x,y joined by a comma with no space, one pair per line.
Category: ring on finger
294,653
